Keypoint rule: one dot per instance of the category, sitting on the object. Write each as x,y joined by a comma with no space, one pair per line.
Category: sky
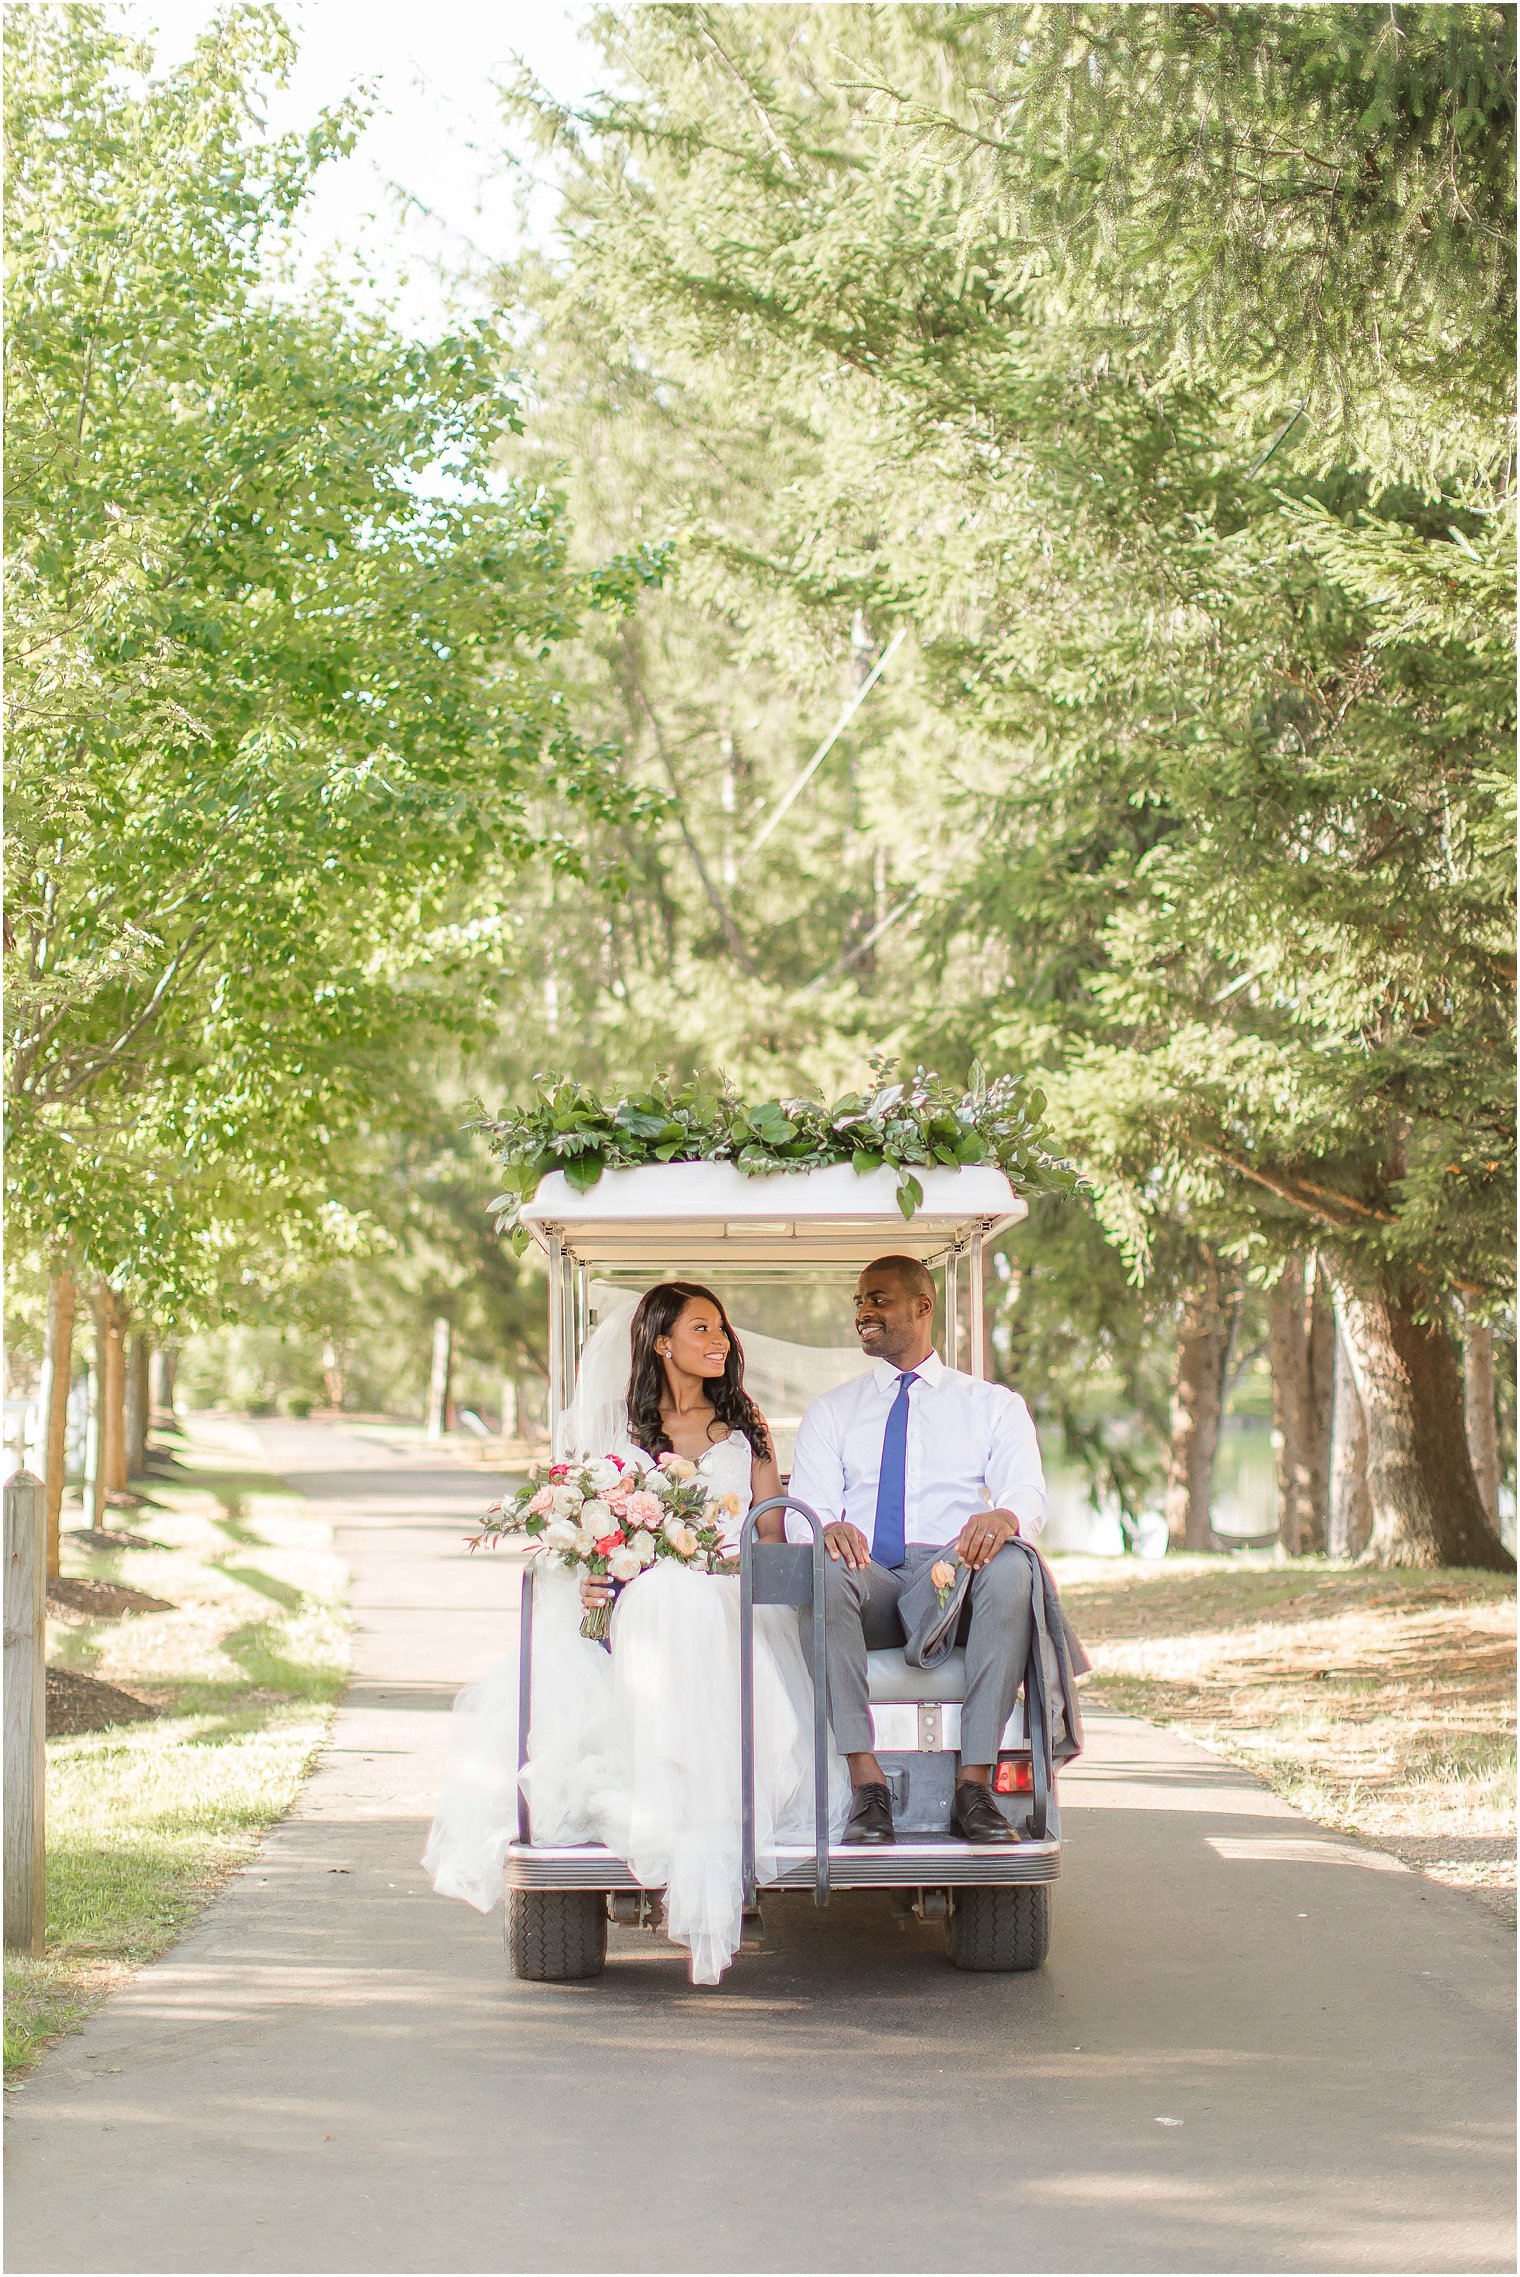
436,133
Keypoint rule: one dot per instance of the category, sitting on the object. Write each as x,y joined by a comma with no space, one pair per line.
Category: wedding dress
639,1748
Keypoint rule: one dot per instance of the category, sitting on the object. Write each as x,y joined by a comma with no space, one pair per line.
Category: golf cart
710,1221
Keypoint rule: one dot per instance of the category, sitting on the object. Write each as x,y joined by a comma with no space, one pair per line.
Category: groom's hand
847,1545
983,1535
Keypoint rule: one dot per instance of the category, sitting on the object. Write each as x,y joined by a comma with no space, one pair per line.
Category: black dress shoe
976,1817
870,1818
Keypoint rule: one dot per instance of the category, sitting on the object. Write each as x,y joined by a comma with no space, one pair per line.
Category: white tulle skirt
639,1750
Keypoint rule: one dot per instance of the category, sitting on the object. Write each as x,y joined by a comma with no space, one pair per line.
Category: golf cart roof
681,1216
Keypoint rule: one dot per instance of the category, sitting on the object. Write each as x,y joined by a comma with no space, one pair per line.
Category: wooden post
25,1712
438,1382
139,1351
57,1375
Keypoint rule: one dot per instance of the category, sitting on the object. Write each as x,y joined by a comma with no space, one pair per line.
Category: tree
1237,723
281,709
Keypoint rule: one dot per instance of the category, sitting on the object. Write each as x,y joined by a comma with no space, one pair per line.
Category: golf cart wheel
556,1936
999,1929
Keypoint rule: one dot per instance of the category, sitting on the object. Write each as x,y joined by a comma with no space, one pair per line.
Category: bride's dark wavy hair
659,1310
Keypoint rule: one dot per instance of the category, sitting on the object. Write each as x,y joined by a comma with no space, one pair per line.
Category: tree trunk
94,1470
139,1360
111,1321
1350,1505
1319,1350
438,1383
165,1360
1301,1348
1205,1333
334,1374
1482,1418
1287,1354
162,1378
57,1378
1426,1509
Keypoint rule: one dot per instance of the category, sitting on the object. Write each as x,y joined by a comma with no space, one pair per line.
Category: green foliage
1232,705
923,1123
281,717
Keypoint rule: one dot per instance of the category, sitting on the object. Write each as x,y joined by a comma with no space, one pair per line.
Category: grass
1379,1703
145,1821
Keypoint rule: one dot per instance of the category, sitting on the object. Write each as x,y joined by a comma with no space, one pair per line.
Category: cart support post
556,1342
524,1696
1037,1723
782,1573
977,1295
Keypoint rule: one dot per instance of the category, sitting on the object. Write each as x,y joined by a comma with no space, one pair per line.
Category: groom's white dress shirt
971,1446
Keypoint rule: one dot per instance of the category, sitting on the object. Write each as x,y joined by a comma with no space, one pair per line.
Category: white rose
586,1540
672,1526
559,1534
603,1476
598,1516
624,1563
642,1546
567,1501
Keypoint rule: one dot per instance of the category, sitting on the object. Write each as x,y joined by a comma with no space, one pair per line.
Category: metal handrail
1037,1726
795,1564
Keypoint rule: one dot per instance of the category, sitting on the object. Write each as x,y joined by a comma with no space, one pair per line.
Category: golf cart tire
999,1929
556,1936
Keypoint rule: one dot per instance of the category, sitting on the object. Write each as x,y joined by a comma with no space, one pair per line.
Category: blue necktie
889,1539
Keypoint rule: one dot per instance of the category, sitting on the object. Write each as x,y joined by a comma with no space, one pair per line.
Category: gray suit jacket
930,1630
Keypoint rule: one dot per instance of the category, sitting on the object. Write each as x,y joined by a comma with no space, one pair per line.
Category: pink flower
643,1508
542,1501
617,1502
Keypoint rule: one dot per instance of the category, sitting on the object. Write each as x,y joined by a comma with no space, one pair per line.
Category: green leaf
909,1194
582,1171
864,1160
640,1124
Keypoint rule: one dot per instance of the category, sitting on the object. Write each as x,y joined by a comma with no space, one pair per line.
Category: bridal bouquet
614,1519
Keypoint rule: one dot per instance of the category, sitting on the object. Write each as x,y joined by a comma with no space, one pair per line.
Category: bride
639,1750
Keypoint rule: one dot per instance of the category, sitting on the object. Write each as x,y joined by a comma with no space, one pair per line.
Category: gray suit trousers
995,1630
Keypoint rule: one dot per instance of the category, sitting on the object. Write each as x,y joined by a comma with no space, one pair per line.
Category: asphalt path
1255,2046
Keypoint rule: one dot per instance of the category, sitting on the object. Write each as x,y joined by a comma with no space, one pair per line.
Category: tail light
1013,1777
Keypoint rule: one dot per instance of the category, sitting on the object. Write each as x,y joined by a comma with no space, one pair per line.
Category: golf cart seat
891,1676
893,1680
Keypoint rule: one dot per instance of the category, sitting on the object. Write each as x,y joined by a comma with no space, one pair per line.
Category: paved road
1254,2048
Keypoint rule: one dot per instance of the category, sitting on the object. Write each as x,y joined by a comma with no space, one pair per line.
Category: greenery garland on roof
924,1123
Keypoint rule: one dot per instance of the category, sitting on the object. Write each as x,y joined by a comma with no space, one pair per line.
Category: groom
899,1463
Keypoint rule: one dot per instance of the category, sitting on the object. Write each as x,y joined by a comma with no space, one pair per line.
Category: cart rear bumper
929,1863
